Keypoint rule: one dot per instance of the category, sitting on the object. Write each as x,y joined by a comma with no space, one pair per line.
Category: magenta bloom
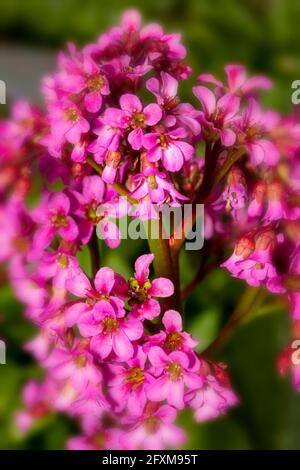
215,397
100,438
58,266
92,213
109,134
54,219
76,365
172,338
173,375
109,331
253,128
130,381
175,113
80,286
37,399
237,81
137,118
253,262
67,125
153,430
169,148
16,233
217,117
142,290
156,186
82,74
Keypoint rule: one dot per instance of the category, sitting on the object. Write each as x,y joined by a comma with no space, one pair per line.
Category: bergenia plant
115,140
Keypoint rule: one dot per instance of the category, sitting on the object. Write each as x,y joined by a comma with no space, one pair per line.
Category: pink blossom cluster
105,368
115,355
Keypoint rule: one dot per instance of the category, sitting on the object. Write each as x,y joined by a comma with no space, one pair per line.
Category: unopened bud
113,159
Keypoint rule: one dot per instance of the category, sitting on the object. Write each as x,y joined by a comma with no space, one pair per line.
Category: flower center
91,213
80,361
259,265
110,325
138,120
152,424
218,117
171,103
134,377
254,131
173,341
152,181
62,261
164,141
72,115
174,371
95,83
137,291
98,440
20,244
59,220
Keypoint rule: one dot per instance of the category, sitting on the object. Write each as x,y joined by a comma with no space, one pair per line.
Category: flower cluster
114,134
114,370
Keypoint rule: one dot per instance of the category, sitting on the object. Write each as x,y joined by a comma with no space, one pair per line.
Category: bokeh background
265,36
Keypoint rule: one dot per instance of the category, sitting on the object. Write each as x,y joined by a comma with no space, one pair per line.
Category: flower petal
104,280
79,284
206,98
172,320
161,287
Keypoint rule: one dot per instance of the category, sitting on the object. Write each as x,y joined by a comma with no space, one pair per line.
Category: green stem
164,265
95,253
249,302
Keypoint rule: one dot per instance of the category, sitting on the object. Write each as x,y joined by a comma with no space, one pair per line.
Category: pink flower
169,148
141,290
288,362
173,374
16,232
76,365
218,116
235,193
54,219
153,184
253,128
37,400
135,117
109,133
80,286
92,213
172,338
106,438
277,205
127,388
175,113
81,74
237,81
215,397
109,331
58,266
67,124
153,430
253,262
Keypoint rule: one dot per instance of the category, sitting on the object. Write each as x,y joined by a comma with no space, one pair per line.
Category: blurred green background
263,35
